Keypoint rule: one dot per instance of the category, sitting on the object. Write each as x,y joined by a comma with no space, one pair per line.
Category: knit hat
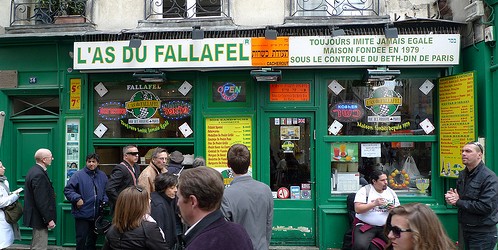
176,157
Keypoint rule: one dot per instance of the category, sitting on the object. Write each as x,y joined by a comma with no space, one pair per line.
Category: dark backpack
347,240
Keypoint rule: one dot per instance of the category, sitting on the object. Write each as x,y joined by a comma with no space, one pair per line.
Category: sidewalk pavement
24,247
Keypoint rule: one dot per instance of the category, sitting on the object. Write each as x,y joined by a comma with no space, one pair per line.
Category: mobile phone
18,190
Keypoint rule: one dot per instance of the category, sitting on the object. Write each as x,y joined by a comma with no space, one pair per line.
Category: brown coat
146,178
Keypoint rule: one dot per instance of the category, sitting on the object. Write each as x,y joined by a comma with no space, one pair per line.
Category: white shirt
376,216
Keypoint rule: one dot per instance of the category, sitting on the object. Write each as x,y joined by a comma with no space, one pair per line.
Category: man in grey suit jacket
247,201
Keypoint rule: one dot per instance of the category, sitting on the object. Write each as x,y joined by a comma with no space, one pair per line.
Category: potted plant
71,11
73,7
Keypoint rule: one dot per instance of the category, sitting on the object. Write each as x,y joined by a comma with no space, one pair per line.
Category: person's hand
380,202
79,203
452,196
51,224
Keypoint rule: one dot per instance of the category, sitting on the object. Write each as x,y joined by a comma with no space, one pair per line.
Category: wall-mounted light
382,73
390,31
335,31
266,75
270,33
197,33
150,76
135,41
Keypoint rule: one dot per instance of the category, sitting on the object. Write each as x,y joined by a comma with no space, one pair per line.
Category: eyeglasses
478,145
162,158
139,189
132,153
397,231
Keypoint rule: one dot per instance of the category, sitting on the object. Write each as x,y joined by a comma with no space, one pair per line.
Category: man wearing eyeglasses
156,166
124,174
39,200
476,197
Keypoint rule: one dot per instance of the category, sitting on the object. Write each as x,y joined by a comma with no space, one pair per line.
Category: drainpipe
491,103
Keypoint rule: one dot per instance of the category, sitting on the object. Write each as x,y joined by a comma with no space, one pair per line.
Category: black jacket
478,203
39,199
163,210
146,236
120,179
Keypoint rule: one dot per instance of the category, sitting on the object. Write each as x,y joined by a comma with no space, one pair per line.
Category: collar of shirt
190,228
44,168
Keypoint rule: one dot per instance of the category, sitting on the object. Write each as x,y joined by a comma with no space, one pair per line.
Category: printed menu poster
221,133
457,124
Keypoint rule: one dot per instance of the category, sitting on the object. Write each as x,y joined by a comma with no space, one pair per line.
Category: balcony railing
34,12
185,9
334,8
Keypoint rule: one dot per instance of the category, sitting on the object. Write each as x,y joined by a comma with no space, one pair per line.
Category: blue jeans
479,241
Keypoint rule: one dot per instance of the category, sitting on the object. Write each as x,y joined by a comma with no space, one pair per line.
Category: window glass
110,156
406,164
35,105
290,153
191,8
380,107
143,110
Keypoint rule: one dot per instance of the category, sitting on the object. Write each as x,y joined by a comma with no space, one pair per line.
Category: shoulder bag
13,212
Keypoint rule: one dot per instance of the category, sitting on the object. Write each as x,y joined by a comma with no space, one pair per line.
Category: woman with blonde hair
132,227
415,226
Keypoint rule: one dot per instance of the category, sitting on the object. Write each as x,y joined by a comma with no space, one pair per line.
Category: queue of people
192,210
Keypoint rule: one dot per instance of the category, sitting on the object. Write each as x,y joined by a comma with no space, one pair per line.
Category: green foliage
64,7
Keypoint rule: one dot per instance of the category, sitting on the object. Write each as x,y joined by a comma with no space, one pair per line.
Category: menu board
221,134
457,123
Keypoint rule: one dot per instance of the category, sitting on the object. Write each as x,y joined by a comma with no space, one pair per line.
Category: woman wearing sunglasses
132,227
415,226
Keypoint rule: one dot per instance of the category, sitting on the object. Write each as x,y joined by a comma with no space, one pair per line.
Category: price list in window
221,134
290,92
457,125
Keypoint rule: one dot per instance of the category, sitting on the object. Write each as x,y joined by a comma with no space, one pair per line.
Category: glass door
290,152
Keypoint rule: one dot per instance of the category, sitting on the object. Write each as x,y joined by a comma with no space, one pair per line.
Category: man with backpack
372,204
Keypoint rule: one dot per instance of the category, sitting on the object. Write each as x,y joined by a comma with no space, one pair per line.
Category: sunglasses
139,189
397,231
132,153
478,145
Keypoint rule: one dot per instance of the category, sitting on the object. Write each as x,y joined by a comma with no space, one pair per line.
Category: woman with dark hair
415,226
163,207
132,226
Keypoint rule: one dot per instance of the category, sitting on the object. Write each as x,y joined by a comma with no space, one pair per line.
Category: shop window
397,107
143,110
228,92
407,165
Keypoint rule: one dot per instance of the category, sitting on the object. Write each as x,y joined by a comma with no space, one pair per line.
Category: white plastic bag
411,169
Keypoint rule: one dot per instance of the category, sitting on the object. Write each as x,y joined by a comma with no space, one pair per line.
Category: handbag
13,212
